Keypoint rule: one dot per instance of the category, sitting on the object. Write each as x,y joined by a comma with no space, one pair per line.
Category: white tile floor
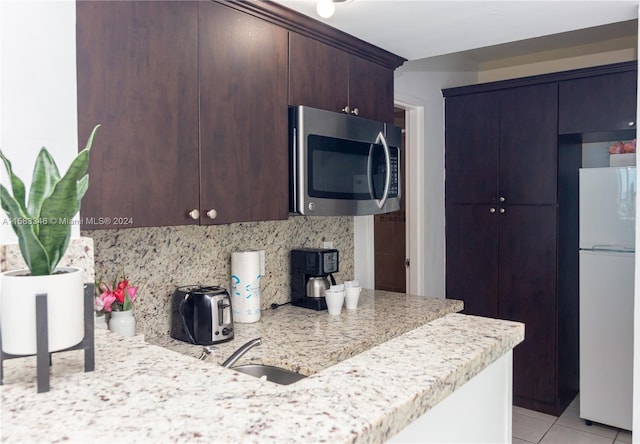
534,427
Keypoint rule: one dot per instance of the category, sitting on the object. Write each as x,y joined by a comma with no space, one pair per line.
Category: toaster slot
224,312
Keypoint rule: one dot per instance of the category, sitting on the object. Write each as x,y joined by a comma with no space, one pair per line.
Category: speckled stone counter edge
367,398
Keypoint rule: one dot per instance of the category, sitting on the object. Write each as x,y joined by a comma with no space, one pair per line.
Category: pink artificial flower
629,147
107,298
98,305
616,148
132,292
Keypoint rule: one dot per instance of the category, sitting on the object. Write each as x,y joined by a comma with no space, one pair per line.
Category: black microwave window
345,169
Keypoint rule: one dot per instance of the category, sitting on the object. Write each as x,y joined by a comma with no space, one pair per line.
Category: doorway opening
413,176
391,261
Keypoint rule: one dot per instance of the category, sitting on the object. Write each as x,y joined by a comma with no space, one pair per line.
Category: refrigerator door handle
612,248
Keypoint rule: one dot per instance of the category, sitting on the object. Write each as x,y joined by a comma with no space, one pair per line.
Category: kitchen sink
274,374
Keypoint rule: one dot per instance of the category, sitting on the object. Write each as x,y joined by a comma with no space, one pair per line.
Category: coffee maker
311,275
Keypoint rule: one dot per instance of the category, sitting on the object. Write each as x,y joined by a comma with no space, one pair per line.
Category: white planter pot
65,309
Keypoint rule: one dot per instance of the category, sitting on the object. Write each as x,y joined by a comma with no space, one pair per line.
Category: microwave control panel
393,186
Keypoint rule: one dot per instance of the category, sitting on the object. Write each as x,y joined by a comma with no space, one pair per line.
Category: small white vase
101,322
123,323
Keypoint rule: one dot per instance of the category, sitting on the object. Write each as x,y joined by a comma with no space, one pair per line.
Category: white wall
636,318
38,105
420,83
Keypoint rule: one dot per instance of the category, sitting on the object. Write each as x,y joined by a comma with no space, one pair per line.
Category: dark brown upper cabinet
598,104
244,163
137,68
472,139
501,146
192,98
325,77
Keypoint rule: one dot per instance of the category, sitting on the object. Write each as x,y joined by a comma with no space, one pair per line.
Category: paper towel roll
247,268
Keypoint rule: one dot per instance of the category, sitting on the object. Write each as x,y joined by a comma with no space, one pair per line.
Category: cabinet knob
194,214
492,210
631,123
355,111
502,210
502,199
346,109
212,214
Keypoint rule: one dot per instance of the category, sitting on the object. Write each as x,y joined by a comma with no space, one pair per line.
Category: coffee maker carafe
311,275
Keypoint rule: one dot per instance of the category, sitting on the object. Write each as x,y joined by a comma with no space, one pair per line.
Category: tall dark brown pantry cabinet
512,156
501,219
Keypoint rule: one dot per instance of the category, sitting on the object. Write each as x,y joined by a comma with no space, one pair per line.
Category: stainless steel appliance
342,165
201,315
311,275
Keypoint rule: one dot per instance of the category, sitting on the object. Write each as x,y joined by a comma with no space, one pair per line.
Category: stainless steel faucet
241,351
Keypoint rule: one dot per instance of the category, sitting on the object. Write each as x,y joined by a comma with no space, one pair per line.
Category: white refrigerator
607,257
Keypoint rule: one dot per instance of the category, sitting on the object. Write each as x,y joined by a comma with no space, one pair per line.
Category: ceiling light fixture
326,8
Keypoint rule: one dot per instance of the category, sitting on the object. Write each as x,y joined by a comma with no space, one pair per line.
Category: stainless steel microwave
342,165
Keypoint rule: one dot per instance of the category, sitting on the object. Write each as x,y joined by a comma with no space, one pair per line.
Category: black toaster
201,315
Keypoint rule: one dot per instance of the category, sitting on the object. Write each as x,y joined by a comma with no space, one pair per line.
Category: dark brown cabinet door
472,148
502,146
598,104
502,263
243,117
528,293
472,257
318,74
370,90
138,77
325,77
529,145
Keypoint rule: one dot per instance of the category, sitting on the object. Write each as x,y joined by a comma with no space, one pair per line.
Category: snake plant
43,224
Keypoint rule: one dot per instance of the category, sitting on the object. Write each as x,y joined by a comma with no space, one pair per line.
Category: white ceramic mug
351,296
334,299
337,287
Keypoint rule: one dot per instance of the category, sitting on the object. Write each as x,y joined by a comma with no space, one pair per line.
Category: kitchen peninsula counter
307,341
142,392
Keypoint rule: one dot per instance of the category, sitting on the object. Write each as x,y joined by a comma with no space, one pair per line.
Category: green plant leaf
83,185
45,176
60,206
89,144
17,186
33,252
126,304
53,200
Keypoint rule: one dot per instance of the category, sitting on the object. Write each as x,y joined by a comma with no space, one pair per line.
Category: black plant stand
43,356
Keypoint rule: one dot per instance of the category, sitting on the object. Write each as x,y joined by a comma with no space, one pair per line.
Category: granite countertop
141,392
307,341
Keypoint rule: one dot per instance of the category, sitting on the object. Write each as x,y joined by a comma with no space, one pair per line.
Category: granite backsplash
159,259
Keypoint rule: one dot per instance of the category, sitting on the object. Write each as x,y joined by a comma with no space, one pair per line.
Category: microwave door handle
370,171
387,156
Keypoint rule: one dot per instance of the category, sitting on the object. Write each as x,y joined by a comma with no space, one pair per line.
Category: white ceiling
417,29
